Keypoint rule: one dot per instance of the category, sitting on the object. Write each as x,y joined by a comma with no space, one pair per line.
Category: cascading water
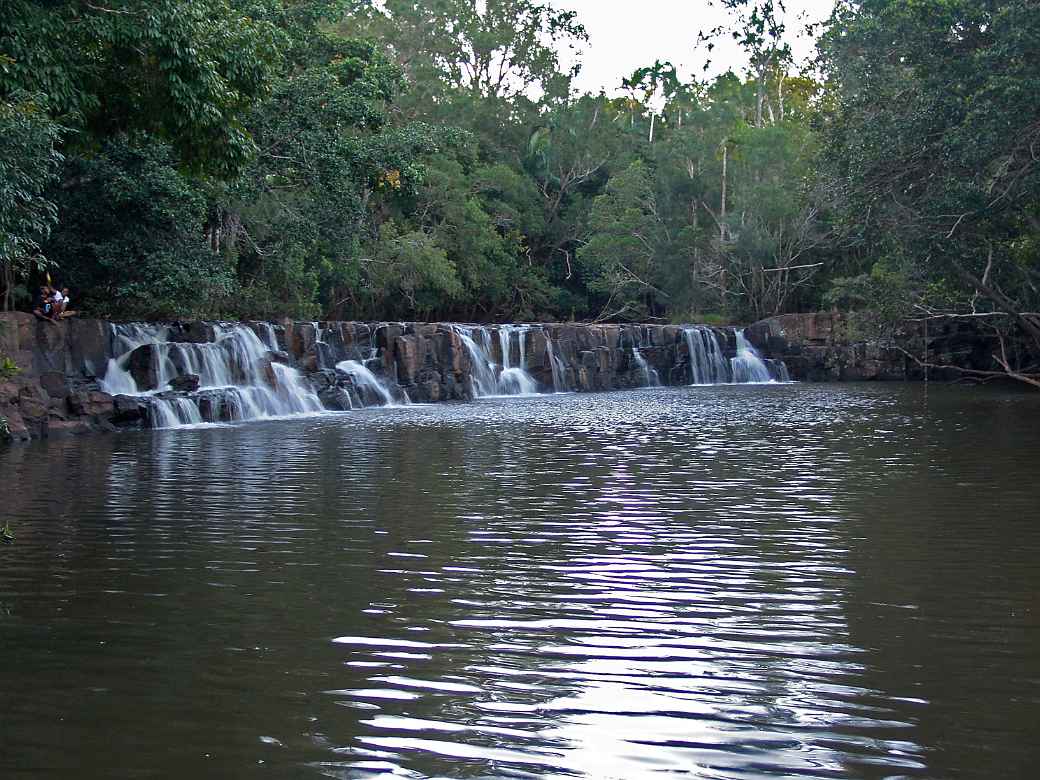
125,339
487,377
173,413
707,364
650,377
558,367
514,380
268,336
240,374
748,365
366,381
237,380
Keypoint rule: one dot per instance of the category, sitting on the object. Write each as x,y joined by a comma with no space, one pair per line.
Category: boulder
8,392
408,353
128,409
88,346
33,403
186,383
91,403
17,430
194,332
143,365
336,399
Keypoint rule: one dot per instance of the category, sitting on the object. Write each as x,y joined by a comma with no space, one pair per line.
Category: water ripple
725,582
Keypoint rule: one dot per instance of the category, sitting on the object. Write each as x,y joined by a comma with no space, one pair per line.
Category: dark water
796,581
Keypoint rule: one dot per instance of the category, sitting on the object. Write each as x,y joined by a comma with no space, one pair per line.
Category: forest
342,159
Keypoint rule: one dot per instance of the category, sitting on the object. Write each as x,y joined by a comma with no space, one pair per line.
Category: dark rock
33,403
194,332
8,392
91,404
143,366
322,380
336,399
408,355
127,408
88,346
17,430
186,383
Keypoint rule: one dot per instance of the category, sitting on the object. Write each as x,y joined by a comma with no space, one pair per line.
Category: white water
236,363
748,366
173,413
650,377
487,377
127,338
239,381
363,378
558,366
707,364
269,338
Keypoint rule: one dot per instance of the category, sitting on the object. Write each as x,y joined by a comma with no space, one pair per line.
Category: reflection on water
812,581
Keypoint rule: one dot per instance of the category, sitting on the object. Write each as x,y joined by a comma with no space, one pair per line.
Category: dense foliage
932,143
341,158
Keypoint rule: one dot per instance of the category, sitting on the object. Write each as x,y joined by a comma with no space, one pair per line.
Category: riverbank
83,375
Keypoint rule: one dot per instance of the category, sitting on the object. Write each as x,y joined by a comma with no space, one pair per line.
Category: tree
620,259
932,139
759,30
29,164
184,72
130,240
329,162
497,49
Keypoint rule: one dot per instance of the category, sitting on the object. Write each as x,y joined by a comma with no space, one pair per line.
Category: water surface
715,582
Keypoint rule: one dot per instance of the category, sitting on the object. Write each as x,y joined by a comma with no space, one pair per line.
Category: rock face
831,346
61,383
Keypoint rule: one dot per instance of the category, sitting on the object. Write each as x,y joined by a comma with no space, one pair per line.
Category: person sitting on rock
60,300
43,303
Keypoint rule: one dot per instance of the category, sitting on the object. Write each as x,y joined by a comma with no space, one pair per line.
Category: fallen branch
1006,373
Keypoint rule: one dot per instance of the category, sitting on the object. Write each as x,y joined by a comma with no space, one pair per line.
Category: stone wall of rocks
56,389
832,347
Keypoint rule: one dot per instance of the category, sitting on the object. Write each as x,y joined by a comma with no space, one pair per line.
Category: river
716,582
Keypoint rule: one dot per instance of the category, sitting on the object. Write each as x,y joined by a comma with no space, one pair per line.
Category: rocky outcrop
53,390
60,385
833,346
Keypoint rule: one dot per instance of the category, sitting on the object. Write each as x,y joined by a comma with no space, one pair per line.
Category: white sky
628,34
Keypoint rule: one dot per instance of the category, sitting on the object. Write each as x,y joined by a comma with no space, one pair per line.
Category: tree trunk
722,205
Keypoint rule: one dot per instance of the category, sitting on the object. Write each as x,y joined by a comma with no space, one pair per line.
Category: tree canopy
341,158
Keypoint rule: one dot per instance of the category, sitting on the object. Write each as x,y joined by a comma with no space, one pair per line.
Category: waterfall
558,366
209,372
707,364
269,338
748,365
173,413
483,381
237,378
125,339
514,380
488,378
366,380
650,377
